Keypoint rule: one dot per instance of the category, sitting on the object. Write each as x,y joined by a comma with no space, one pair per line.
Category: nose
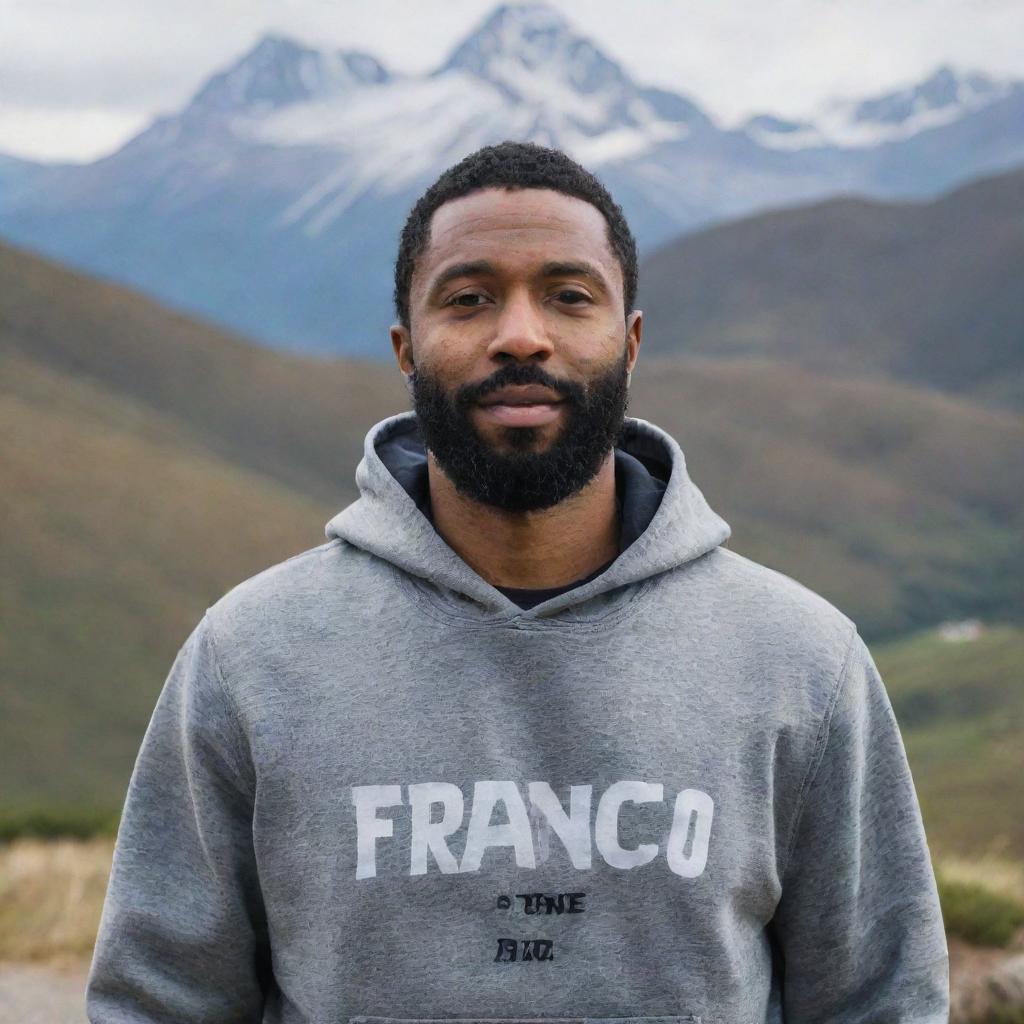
520,332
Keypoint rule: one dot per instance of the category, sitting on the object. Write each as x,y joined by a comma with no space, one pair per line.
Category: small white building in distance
958,632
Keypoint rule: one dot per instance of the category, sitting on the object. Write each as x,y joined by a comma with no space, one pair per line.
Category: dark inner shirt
638,492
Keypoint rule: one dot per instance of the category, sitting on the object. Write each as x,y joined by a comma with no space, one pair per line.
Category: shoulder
773,618
279,580
286,597
758,588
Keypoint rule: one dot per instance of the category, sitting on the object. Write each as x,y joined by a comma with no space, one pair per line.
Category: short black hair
512,164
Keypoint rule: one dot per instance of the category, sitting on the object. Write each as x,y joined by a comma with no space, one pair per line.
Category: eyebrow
471,268
459,270
579,268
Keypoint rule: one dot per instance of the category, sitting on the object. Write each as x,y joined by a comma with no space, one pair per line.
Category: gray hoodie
375,790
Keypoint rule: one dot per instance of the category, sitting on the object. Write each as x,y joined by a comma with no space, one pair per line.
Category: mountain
943,98
278,73
929,293
153,462
271,203
294,419
22,178
575,93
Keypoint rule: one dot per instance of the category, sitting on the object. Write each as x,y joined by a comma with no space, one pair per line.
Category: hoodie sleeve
182,936
859,922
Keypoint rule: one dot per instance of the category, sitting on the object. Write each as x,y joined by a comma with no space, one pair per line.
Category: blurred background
199,212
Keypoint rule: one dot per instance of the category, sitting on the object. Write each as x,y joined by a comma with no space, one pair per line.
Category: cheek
599,348
447,354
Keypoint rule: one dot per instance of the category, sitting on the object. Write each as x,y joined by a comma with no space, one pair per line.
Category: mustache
519,373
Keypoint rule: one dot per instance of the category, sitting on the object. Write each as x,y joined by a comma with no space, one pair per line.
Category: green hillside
118,530
960,705
299,419
903,506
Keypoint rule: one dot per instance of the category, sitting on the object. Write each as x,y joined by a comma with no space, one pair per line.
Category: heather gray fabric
374,790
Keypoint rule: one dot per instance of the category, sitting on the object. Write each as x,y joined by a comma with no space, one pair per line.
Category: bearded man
523,741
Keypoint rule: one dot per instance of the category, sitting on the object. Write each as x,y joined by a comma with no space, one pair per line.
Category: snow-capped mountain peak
943,97
278,72
944,91
531,54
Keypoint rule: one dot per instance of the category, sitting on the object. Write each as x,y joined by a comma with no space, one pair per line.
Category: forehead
517,228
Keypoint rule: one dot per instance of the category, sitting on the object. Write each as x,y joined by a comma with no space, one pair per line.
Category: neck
530,550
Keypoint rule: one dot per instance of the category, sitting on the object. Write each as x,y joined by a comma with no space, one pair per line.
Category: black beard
522,480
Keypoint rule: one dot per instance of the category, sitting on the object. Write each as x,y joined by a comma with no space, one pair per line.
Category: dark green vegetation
961,708
1006,1015
978,915
151,463
47,820
929,293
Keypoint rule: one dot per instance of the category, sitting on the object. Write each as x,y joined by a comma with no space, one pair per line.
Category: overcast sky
79,77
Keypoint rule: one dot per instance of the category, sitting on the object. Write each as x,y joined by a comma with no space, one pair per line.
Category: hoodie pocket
685,1018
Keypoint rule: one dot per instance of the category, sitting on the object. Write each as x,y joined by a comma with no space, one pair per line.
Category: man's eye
573,297
458,300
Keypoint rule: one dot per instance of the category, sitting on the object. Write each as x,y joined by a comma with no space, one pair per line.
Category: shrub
57,822
977,914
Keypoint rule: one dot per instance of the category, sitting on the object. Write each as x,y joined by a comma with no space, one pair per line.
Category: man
522,741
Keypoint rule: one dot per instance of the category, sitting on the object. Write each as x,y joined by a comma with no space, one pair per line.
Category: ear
634,330
401,342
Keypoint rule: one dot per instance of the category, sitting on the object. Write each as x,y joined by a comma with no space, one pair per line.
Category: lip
522,394
522,405
534,414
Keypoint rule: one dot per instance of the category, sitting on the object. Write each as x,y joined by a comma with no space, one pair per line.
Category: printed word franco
577,829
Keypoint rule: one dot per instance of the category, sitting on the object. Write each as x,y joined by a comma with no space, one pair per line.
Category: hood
386,521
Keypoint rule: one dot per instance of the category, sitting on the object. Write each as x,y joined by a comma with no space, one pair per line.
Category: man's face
518,352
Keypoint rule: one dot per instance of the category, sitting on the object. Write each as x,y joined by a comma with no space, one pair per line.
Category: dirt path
43,993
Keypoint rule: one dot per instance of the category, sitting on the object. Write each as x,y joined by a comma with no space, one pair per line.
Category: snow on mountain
946,96
524,73
279,72
533,57
383,139
778,133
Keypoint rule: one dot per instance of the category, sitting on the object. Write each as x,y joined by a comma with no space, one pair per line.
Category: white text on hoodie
693,811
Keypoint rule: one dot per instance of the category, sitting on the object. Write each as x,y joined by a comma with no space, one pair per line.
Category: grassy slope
903,506
299,419
961,710
119,528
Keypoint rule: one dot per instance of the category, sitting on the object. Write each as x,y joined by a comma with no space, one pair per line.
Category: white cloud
77,77
59,133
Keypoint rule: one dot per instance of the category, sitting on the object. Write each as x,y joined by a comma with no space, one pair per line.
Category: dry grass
51,897
999,874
